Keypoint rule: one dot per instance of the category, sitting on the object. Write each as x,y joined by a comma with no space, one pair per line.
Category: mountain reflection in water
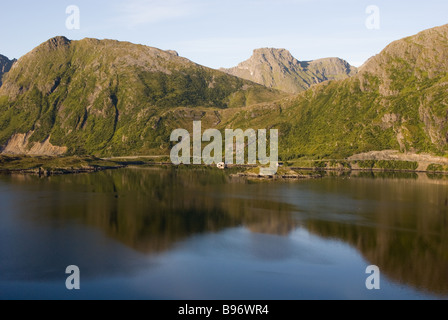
399,223
150,210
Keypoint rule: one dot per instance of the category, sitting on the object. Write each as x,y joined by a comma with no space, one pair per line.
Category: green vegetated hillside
398,101
108,97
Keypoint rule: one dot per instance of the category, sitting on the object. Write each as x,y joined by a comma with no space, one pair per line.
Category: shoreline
57,171
49,166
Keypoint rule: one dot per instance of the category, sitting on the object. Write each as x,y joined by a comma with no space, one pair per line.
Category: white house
221,165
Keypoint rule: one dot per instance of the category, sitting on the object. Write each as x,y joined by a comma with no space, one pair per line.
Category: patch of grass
387,164
366,164
437,168
396,165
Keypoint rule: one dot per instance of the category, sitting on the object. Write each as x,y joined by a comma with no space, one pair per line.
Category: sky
223,33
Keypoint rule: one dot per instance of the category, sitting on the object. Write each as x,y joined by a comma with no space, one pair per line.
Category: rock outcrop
20,144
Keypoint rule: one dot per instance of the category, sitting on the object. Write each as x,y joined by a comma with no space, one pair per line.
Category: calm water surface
150,233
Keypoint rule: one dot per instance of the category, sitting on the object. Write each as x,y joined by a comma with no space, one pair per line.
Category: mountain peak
278,69
53,44
272,57
427,50
273,52
424,55
59,41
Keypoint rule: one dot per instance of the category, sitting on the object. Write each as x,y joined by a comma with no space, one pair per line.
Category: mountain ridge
278,69
108,97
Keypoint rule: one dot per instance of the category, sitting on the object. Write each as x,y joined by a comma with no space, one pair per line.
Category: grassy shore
54,165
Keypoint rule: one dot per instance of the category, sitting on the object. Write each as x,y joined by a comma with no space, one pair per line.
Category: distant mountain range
110,98
5,66
278,69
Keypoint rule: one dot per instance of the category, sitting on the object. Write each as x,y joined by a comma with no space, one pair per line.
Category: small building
221,165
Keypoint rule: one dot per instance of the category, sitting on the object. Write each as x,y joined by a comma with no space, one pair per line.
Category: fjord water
167,233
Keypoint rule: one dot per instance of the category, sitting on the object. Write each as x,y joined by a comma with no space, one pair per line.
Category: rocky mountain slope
5,66
108,97
277,68
398,101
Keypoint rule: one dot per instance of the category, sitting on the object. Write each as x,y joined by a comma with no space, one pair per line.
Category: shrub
437,168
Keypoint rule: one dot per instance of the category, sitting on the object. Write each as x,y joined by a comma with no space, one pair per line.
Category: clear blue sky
222,33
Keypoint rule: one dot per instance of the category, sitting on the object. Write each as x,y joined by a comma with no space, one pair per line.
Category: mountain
105,97
5,66
398,101
277,68
109,98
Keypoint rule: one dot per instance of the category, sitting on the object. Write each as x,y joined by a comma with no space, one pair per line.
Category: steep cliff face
277,68
5,66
